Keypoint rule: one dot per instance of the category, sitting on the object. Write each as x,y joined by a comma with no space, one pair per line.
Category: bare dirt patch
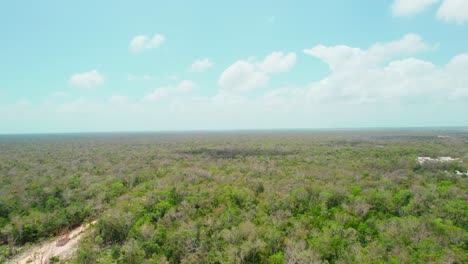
63,247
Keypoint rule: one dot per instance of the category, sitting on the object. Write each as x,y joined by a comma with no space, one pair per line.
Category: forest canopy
283,197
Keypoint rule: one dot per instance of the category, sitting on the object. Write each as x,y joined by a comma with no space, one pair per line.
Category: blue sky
195,65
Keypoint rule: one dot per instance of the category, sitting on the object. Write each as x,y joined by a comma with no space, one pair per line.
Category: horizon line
189,131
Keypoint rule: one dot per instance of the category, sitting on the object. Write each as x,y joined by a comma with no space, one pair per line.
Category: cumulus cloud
453,11
87,80
165,91
385,84
379,74
278,62
342,57
201,65
246,75
410,7
141,43
456,77
242,76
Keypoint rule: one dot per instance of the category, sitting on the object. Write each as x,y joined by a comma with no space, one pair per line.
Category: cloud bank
141,43
201,65
184,86
247,75
410,7
452,11
385,84
87,80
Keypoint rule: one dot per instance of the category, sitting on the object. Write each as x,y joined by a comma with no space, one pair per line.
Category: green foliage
4,253
277,258
116,189
132,253
114,226
254,198
86,254
54,259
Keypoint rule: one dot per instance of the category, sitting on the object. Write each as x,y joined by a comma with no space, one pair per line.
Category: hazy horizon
247,131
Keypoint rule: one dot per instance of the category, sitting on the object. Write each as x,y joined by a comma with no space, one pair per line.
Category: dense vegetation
347,197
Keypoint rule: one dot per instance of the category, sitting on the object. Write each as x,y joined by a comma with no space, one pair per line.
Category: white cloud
455,76
410,7
201,65
374,75
344,57
278,62
165,91
143,42
246,75
87,80
453,11
242,76
449,11
382,85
